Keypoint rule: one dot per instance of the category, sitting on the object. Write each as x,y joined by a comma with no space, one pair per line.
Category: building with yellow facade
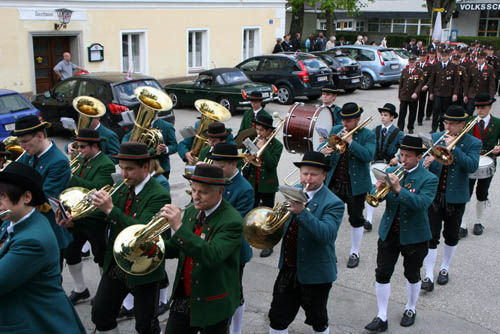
162,38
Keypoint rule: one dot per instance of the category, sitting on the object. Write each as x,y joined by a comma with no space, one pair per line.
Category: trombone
338,144
443,153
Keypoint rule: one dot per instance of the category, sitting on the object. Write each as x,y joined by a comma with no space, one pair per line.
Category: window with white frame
134,51
344,25
251,42
197,50
321,24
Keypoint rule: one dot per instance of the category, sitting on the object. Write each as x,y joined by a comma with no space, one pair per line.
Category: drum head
485,161
324,121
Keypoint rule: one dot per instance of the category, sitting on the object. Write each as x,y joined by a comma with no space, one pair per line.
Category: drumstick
489,152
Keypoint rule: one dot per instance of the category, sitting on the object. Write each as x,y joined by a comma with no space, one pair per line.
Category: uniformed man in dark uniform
481,79
431,60
410,85
422,98
462,72
443,88
493,61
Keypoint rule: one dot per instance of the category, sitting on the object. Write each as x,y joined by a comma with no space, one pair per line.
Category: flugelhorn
75,163
374,200
78,200
338,144
443,153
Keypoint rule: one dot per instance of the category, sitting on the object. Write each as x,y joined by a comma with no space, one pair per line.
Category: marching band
51,206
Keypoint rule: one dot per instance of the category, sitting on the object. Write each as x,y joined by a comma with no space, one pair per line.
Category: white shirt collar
45,151
310,194
255,112
211,210
411,170
445,64
10,228
138,188
481,66
486,120
96,155
236,173
98,126
386,127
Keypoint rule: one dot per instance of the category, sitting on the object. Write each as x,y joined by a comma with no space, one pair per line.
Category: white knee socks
237,320
76,271
164,295
369,213
412,291
448,252
480,210
383,292
128,302
429,262
86,247
275,331
357,236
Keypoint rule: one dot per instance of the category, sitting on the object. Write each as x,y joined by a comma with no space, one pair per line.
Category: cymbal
247,133
212,110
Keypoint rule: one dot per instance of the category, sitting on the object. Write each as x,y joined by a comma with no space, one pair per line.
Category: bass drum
301,132
485,170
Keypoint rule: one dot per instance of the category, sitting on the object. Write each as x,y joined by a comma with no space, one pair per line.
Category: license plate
324,78
394,67
10,127
355,80
265,94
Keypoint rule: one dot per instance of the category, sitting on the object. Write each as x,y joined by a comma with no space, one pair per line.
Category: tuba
75,163
78,200
88,108
338,144
12,146
152,101
210,112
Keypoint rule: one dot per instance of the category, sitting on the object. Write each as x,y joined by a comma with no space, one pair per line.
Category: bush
495,41
397,41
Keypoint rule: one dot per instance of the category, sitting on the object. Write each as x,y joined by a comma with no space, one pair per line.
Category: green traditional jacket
146,204
96,174
248,118
215,281
492,136
268,175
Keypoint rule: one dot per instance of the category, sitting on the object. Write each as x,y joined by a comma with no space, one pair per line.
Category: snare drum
379,165
299,135
485,170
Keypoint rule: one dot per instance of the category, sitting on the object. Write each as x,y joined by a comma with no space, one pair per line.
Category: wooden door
47,51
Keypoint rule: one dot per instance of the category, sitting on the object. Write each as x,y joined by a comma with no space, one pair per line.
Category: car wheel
366,81
285,95
386,84
313,97
350,90
175,100
226,103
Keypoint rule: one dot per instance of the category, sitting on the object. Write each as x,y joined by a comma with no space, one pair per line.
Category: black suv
115,90
346,71
293,73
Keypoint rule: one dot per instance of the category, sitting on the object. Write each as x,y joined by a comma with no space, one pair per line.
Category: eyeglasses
25,141
83,146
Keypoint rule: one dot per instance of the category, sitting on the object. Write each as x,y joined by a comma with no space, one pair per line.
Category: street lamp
64,16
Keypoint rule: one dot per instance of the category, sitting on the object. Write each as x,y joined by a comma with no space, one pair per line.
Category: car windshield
125,90
344,60
402,53
314,64
12,103
230,78
388,55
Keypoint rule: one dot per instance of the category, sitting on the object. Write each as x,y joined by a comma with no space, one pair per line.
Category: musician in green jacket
215,133
94,172
207,241
264,178
250,115
487,130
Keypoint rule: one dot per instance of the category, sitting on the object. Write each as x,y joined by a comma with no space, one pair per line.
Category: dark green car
227,86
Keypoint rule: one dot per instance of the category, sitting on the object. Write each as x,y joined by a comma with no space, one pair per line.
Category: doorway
47,52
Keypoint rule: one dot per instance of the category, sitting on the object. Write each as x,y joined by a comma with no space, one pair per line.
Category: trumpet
139,249
5,213
75,163
375,199
338,144
286,180
255,159
443,153
78,200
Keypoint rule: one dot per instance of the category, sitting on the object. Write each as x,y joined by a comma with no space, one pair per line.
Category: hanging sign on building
478,5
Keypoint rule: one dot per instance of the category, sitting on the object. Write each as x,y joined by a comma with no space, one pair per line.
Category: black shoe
420,123
462,233
125,314
266,252
86,254
408,318
427,284
377,325
410,132
163,308
443,277
367,226
76,297
478,229
353,261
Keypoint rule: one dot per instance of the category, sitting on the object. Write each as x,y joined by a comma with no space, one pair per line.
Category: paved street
468,304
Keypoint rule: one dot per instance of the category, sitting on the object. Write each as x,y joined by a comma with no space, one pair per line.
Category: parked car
379,65
293,73
403,56
346,71
13,105
227,86
114,89
453,45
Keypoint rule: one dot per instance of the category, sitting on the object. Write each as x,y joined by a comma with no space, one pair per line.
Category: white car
403,56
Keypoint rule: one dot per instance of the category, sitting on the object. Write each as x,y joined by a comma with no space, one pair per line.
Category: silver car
379,65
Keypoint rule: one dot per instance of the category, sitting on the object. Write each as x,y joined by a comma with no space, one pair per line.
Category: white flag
436,33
